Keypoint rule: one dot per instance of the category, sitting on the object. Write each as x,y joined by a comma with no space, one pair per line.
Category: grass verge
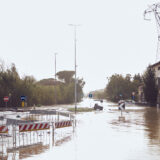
86,109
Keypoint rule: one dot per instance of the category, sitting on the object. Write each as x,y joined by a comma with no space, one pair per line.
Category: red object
6,99
33,127
3,129
63,124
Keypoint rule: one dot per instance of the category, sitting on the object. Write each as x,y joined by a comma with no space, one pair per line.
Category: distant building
141,98
156,68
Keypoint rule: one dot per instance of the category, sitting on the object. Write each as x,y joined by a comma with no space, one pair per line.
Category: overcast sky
113,37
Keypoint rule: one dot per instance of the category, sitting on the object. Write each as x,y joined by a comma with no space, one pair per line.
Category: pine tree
150,87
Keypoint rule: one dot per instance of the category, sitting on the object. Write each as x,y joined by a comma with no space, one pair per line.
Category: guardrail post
53,130
19,136
58,116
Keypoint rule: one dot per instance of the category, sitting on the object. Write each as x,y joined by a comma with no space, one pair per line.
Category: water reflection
24,152
152,123
29,150
100,135
22,145
32,150
62,141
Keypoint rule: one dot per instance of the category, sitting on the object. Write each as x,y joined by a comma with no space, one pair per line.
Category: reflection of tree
152,123
35,149
3,158
63,140
32,150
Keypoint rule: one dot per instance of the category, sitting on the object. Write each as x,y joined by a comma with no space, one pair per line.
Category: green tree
150,86
66,76
137,81
138,78
120,87
116,87
42,92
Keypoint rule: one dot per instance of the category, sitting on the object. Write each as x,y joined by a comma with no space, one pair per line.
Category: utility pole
155,8
55,54
75,60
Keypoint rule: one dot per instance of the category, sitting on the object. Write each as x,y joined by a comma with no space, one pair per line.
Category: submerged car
98,107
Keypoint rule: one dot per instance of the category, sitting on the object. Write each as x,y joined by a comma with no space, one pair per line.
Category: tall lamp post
75,60
55,54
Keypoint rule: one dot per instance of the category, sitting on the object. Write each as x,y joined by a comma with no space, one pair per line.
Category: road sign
133,95
6,99
90,95
23,98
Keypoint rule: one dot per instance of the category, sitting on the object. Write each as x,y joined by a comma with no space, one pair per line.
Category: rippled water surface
104,135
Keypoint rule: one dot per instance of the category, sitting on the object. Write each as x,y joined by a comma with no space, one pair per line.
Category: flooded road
103,135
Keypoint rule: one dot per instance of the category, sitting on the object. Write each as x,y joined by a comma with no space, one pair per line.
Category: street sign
90,95
6,99
23,98
133,95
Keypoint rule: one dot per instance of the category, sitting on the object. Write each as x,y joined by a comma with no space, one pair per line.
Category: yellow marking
4,132
22,103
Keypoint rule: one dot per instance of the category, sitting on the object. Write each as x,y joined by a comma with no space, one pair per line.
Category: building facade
141,98
156,68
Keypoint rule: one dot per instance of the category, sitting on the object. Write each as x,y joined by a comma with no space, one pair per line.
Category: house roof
155,64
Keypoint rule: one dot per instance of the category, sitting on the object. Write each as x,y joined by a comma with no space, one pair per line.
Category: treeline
126,87
98,94
45,92
123,87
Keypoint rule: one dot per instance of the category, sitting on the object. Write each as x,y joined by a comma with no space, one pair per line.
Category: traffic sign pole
22,103
90,96
6,99
23,99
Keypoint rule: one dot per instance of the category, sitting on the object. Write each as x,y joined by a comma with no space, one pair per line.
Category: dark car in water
98,107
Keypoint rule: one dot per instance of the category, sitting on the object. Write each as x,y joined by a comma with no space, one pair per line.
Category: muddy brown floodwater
101,135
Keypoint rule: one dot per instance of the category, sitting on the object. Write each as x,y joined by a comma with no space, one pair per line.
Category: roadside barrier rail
62,124
51,112
64,114
33,127
15,121
47,112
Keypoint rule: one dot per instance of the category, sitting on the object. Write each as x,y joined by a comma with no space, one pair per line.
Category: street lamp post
75,60
55,54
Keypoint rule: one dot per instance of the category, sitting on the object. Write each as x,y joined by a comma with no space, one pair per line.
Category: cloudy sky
113,37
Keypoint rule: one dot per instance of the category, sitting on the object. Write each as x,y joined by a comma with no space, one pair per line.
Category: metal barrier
48,112
64,114
15,121
33,127
38,126
63,124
